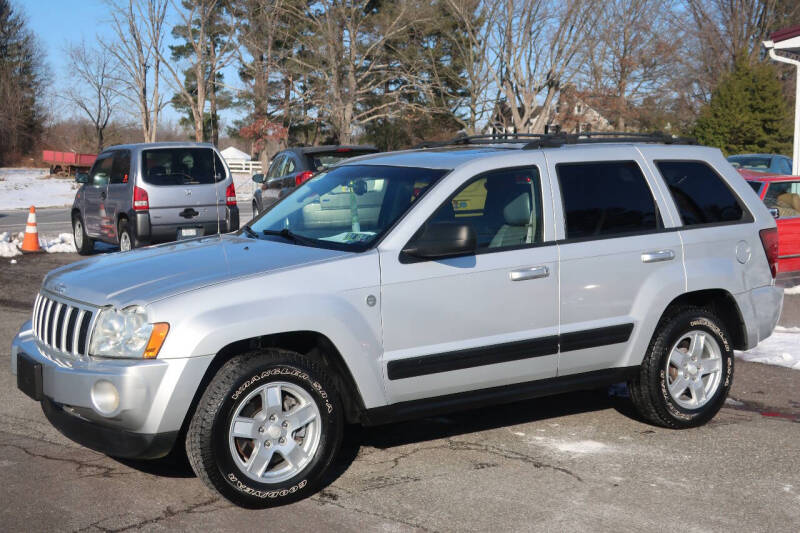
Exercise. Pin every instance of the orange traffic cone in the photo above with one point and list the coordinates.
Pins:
(31, 241)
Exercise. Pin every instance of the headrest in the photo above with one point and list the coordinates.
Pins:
(518, 211)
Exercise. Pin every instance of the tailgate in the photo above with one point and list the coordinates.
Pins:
(187, 204)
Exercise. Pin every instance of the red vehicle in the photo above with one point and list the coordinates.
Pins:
(68, 162)
(782, 195)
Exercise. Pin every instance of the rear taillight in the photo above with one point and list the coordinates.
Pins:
(230, 195)
(769, 238)
(302, 177)
(140, 200)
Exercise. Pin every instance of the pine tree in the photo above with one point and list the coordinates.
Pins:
(22, 82)
(747, 113)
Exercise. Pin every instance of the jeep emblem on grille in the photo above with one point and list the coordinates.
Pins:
(59, 288)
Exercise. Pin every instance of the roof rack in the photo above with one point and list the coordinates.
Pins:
(533, 141)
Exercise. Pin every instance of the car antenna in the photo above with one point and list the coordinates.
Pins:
(216, 188)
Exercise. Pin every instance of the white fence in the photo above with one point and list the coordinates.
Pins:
(249, 167)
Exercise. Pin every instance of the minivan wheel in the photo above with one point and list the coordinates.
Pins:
(266, 429)
(83, 243)
(127, 241)
(687, 372)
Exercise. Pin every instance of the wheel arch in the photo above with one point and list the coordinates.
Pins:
(721, 303)
(310, 343)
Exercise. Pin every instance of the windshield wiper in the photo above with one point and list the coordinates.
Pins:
(250, 233)
(287, 234)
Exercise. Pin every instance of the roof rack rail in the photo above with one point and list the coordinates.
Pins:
(533, 141)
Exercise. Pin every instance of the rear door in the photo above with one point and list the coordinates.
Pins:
(618, 260)
(95, 191)
(785, 197)
(185, 186)
(273, 184)
(119, 194)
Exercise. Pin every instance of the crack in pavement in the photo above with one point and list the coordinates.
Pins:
(103, 471)
(328, 497)
(168, 513)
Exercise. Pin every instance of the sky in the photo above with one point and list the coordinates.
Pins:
(58, 23)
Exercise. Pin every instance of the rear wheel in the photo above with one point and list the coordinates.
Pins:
(266, 429)
(83, 243)
(127, 240)
(687, 372)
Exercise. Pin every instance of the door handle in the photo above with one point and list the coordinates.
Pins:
(658, 255)
(529, 273)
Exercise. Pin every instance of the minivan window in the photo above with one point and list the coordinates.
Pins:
(755, 185)
(121, 166)
(101, 170)
(347, 207)
(181, 166)
(700, 194)
(606, 198)
(503, 207)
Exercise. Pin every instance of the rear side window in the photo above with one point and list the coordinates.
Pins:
(121, 166)
(755, 185)
(701, 195)
(181, 166)
(606, 198)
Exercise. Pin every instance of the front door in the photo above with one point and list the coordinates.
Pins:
(485, 320)
(120, 189)
(95, 192)
(618, 261)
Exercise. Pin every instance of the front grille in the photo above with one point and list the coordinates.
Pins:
(62, 326)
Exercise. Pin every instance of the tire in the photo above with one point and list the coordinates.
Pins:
(127, 240)
(83, 243)
(690, 347)
(221, 459)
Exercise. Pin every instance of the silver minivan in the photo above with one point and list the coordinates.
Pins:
(139, 194)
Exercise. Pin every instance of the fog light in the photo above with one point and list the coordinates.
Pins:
(105, 397)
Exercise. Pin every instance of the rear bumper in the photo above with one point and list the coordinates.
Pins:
(148, 232)
(761, 309)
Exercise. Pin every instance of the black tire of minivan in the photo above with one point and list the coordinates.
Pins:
(125, 228)
(211, 444)
(83, 243)
(650, 392)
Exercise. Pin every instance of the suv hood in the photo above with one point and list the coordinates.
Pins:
(148, 274)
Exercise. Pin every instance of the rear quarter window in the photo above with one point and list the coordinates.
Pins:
(700, 194)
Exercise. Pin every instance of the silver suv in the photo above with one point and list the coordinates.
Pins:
(407, 284)
(144, 193)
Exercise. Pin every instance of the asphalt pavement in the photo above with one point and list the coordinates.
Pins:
(576, 462)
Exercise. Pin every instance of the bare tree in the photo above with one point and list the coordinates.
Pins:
(632, 61)
(139, 27)
(208, 55)
(92, 89)
(351, 53)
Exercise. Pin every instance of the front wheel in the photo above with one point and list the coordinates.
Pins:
(266, 429)
(83, 243)
(687, 372)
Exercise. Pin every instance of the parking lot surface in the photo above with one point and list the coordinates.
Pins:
(572, 462)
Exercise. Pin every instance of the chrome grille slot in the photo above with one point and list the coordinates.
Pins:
(62, 326)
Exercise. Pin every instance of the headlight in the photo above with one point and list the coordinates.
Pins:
(127, 334)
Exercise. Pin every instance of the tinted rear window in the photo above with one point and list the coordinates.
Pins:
(321, 161)
(758, 163)
(701, 195)
(756, 185)
(181, 166)
(606, 199)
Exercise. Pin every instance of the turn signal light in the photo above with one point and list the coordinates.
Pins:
(140, 200)
(157, 336)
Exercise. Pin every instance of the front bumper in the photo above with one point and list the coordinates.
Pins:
(154, 398)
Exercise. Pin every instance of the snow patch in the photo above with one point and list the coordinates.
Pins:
(581, 446)
(782, 348)
(24, 187)
(792, 290)
(10, 244)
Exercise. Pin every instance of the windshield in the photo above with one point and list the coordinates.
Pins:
(181, 166)
(757, 163)
(346, 207)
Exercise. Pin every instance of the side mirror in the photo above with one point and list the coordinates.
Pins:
(81, 177)
(774, 212)
(443, 239)
(258, 178)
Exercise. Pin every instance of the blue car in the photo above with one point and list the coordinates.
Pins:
(771, 163)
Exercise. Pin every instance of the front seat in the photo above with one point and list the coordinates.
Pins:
(515, 230)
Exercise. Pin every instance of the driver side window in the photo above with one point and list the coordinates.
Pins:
(101, 171)
(503, 207)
